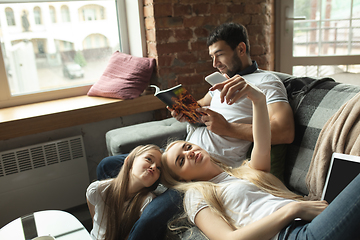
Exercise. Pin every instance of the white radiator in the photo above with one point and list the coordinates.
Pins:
(51, 175)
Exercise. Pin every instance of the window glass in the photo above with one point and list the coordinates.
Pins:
(341, 73)
(37, 15)
(330, 28)
(10, 17)
(42, 54)
(52, 14)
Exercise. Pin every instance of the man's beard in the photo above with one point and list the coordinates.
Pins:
(237, 66)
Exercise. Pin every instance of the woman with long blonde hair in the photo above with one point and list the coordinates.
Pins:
(116, 204)
(248, 202)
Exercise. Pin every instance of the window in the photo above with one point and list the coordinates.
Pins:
(10, 17)
(319, 38)
(65, 14)
(52, 14)
(35, 59)
(37, 15)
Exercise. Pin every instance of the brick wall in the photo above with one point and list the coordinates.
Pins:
(176, 32)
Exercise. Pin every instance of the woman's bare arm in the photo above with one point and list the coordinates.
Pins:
(214, 227)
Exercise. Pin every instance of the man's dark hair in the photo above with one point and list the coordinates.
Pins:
(231, 33)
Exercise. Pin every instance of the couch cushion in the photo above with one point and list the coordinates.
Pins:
(123, 140)
(313, 101)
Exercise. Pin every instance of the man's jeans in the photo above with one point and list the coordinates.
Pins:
(152, 224)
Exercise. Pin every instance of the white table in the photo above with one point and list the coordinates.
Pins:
(59, 224)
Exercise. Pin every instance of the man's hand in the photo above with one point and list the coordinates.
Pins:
(178, 116)
(214, 121)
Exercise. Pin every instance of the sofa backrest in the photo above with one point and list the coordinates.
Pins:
(313, 102)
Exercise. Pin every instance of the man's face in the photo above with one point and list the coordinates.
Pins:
(225, 59)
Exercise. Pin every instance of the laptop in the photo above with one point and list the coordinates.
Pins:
(342, 170)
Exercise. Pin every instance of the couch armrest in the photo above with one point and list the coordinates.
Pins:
(123, 140)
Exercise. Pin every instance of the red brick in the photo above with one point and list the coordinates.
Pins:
(198, 1)
(183, 34)
(204, 67)
(167, 48)
(257, 50)
(203, 55)
(187, 57)
(162, 10)
(242, 19)
(260, 19)
(163, 35)
(198, 45)
(199, 21)
(150, 35)
(236, 8)
(253, 8)
(179, 70)
(149, 23)
(152, 49)
(218, 9)
(165, 60)
(201, 32)
(147, 2)
(189, 79)
(148, 11)
(201, 8)
(169, 22)
(182, 10)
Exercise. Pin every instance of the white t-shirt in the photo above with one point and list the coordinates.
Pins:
(232, 151)
(95, 195)
(244, 201)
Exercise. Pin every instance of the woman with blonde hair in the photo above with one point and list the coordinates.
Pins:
(248, 202)
(116, 204)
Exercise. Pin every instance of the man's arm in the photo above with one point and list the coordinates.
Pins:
(281, 123)
(205, 101)
(280, 115)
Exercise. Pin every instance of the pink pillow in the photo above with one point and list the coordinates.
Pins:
(125, 77)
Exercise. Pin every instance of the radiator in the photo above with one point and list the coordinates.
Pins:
(51, 175)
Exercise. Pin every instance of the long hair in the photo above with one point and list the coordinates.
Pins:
(265, 181)
(122, 211)
(232, 34)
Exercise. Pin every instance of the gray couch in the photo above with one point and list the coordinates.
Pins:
(313, 102)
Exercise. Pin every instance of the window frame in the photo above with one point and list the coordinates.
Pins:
(132, 41)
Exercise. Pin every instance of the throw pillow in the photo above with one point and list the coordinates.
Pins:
(125, 77)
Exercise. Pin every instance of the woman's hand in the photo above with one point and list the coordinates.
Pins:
(308, 210)
(235, 88)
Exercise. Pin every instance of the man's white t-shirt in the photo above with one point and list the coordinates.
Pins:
(244, 201)
(95, 195)
(232, 151)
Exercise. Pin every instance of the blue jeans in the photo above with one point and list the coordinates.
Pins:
(152, 223)
(339, 221)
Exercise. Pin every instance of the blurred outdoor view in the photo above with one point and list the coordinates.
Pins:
(331, 28)
(55, 45)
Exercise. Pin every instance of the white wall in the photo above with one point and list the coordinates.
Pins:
(93, 136)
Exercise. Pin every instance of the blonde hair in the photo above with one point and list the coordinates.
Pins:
(263, 180)
(122, 210)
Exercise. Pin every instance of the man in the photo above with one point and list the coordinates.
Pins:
(228, 131)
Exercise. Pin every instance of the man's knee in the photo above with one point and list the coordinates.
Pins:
(110, 167)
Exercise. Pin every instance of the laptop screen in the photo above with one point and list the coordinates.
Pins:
(342, 170)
